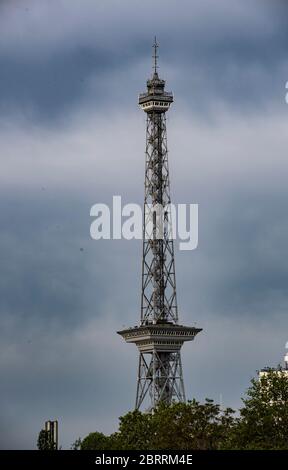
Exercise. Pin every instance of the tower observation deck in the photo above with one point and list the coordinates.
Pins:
(159, 336)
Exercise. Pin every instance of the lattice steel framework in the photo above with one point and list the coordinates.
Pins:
(160, 378)
(159, 338)
(159, 373)
(159, 301)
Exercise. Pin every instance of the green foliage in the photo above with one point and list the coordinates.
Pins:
(96, 441)
(191, 426)
(261, 424)
(263, 420)
(179, 426)
(135, 431)
(45, 441)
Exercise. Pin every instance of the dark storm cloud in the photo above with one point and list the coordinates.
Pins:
(64, 351)
(52, 272)
(79, 67)
(240, 263)
(240, 60)
(60, 294)
(51, 86)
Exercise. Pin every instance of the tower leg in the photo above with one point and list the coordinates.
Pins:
(160, 379)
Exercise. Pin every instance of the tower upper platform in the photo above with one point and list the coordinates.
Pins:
(156, 99)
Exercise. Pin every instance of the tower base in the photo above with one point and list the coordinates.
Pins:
(160, 379)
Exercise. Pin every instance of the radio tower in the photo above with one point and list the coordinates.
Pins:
(159, 337)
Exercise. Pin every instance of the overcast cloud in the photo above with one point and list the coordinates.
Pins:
(71, 135)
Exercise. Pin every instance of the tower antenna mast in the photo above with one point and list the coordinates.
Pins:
(155, 56)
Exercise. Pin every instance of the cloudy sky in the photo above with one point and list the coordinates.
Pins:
(71, 135)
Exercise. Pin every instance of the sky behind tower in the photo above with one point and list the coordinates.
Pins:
(71, 135)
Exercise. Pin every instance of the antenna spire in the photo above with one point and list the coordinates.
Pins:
(155, 56)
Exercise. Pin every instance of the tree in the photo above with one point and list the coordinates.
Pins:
(180, 426)
(96, 441)
(77, 444)
(135, 430)
(45, 441)
(263, 421)
(191, 425)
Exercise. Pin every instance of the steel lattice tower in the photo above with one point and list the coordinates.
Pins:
(159, 337)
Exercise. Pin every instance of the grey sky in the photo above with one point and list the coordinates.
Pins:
(71, 135)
